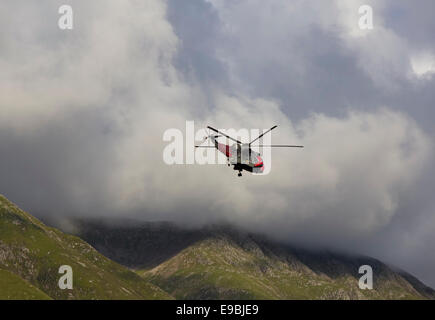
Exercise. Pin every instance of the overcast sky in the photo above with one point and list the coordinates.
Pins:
(83, 112)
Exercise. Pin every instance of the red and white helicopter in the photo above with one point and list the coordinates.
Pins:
(240, 155)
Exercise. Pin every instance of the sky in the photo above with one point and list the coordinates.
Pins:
(83, 113)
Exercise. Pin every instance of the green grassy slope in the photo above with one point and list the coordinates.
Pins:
(34, 252)
(12, 287)
(227, 267)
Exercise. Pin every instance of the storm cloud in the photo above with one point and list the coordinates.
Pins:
(83, 112)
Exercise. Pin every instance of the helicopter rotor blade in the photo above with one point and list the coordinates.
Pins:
(278, 146)
(262, 134)
(225, 135)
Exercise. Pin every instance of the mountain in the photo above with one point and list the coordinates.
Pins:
(31, 254)
(221, 262)
(215, 262)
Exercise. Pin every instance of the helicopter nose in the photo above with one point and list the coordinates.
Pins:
(259, 162)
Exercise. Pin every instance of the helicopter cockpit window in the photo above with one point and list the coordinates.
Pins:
(245, 154)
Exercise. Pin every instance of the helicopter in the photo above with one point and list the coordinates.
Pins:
(240, 155)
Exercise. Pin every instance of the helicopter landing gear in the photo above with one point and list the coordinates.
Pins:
(240, 174)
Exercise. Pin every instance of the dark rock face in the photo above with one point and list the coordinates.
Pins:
(141, 246)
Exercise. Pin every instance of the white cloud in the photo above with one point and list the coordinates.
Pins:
(423, 64)
(122, 64)
(113, 45)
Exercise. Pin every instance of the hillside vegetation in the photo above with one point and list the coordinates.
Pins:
(31, 254)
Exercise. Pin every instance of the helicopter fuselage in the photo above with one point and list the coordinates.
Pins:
(241, 156)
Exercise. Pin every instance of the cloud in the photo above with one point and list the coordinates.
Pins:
(85, 68)
(84, 111)
(423, 64)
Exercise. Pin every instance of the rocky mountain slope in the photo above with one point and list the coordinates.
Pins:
(216, 262)
(221, 262)
(31, 254)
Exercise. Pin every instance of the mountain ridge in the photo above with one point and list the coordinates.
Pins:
(161, 260)
(186, 256)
